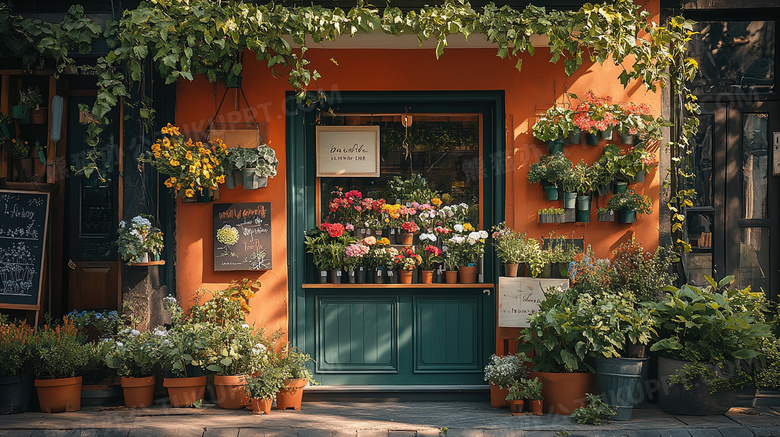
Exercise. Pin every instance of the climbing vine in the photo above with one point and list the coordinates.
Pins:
(185, 38)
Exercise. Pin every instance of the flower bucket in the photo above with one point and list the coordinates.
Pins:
(252, 181)
(592, 139)
(555, 146)
(498, 396)
(607, 134)
(569, 200)
(574, 136)
(377, 275)
(351, 277)
(322, 277)
(620, 187)
(291, 396)
(393, 236)
(468, 274)
(15, 393)
(510, 269)
(626, 139)
(406, 276)
(392, 276)
(261, 406)
(335, 276)
(139, 392)
(451, 277)
(185, 392)
(360, 275)
(231, 393)
(230, 180)
(427, 276)
(617, 381)
(59, 395)
(640, 176)
(626, 216)
(550, 191)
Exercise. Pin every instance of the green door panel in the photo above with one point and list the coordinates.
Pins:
(357, 335)
(447, 334)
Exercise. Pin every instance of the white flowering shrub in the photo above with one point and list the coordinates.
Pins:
(504, 371)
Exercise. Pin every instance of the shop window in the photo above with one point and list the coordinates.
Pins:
(733, 54)
(444, 149)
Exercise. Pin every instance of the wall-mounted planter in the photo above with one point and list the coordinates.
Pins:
(550, 191)
(574, 136)
(608, 216)
(252, 181)
(620, 187)
(21, 113)
(626, 216)
(555, 146)
(569, 200)
(607, 134)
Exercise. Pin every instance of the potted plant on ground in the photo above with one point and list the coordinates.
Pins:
(532, 390)
(548, 171)
(561, 358)
(554, 126)
(139, 241)
(58, 356)
(501, 373)
(706, 338)
(263, 386)
(627, 205)
(257, 165)
(16, 341)
(193, 167)
(293, 363)
(515, 397)
(134, 355)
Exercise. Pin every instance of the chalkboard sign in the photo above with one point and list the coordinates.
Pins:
(242, 236)
(23, 221)
(518, 298)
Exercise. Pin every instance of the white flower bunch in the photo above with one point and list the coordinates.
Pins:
(504, 371)
(428, 237)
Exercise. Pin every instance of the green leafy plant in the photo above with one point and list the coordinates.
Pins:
(510, 245)
(262, 159)
(135, 354)
(631, 200)
(613, 323)
(516, 391)
(593, 414)
(293, 364)
(532, 389)
(410, 189)
(31, 97)
(59, 352)
(19, 148)
(549, 169)
(265, 384)
(16, 345)
(556, 123)
(640, 276)
(506, 371)
(138, 237)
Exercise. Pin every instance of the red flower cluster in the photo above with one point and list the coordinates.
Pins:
(594, 113)
(410, 227)
(433, 250)
(333, 229)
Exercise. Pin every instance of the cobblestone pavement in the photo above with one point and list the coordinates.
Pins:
(378, 419)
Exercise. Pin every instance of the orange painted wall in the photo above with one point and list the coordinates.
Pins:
(534, 89)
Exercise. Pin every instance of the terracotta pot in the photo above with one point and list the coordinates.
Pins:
(184, 392)
(498, 396)
(38, 116)
(510, 269)
(292, 396)
(406, 276)
(407, 238)
(261, 406)
(139, 392)
(537, 407)
(58, 395)
(451, 276)
(468, 274)
(516, 406)
(427, 276)
(565, 392)
(231, 394)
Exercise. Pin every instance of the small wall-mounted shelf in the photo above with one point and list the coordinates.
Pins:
(150, 263)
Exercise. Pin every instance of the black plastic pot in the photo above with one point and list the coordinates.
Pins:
(697, 401)
(15, 393)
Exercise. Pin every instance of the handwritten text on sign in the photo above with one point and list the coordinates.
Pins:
(242, 236)
(518, 298)
(346, 151)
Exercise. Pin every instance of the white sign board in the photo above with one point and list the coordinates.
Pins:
(347, 151)
(518, 298)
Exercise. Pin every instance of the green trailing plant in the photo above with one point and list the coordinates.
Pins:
(549, 169)
(556, 123)
(594, 413)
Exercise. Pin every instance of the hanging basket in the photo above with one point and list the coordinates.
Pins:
(252, 181)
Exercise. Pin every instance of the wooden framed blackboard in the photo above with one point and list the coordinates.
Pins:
(24, 220)
(242, 236)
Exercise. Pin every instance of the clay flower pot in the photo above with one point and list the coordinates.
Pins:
(510, 269)
(451, 277)
(139, 392)
(565, 392)
(406, 276)
(407, 238)
(231, 394)
(427, 276)
(59, 395)
(184, 392)
(498, 396)
(537, 407)
(468, 274)
(516, 406)
(291, 396)
(261, 406)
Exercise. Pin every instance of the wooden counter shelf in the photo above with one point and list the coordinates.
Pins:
(424, 286)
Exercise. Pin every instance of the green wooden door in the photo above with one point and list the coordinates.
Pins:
(400, 335)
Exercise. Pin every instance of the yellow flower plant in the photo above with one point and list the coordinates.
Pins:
(192, 166)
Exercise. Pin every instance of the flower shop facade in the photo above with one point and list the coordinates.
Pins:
(480, 111)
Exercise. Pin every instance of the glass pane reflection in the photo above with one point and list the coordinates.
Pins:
(754, 258)
(754, 165)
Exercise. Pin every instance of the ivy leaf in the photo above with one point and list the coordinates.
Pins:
(140, 52)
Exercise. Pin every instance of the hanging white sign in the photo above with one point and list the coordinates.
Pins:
(518, 298)
(347, 151)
